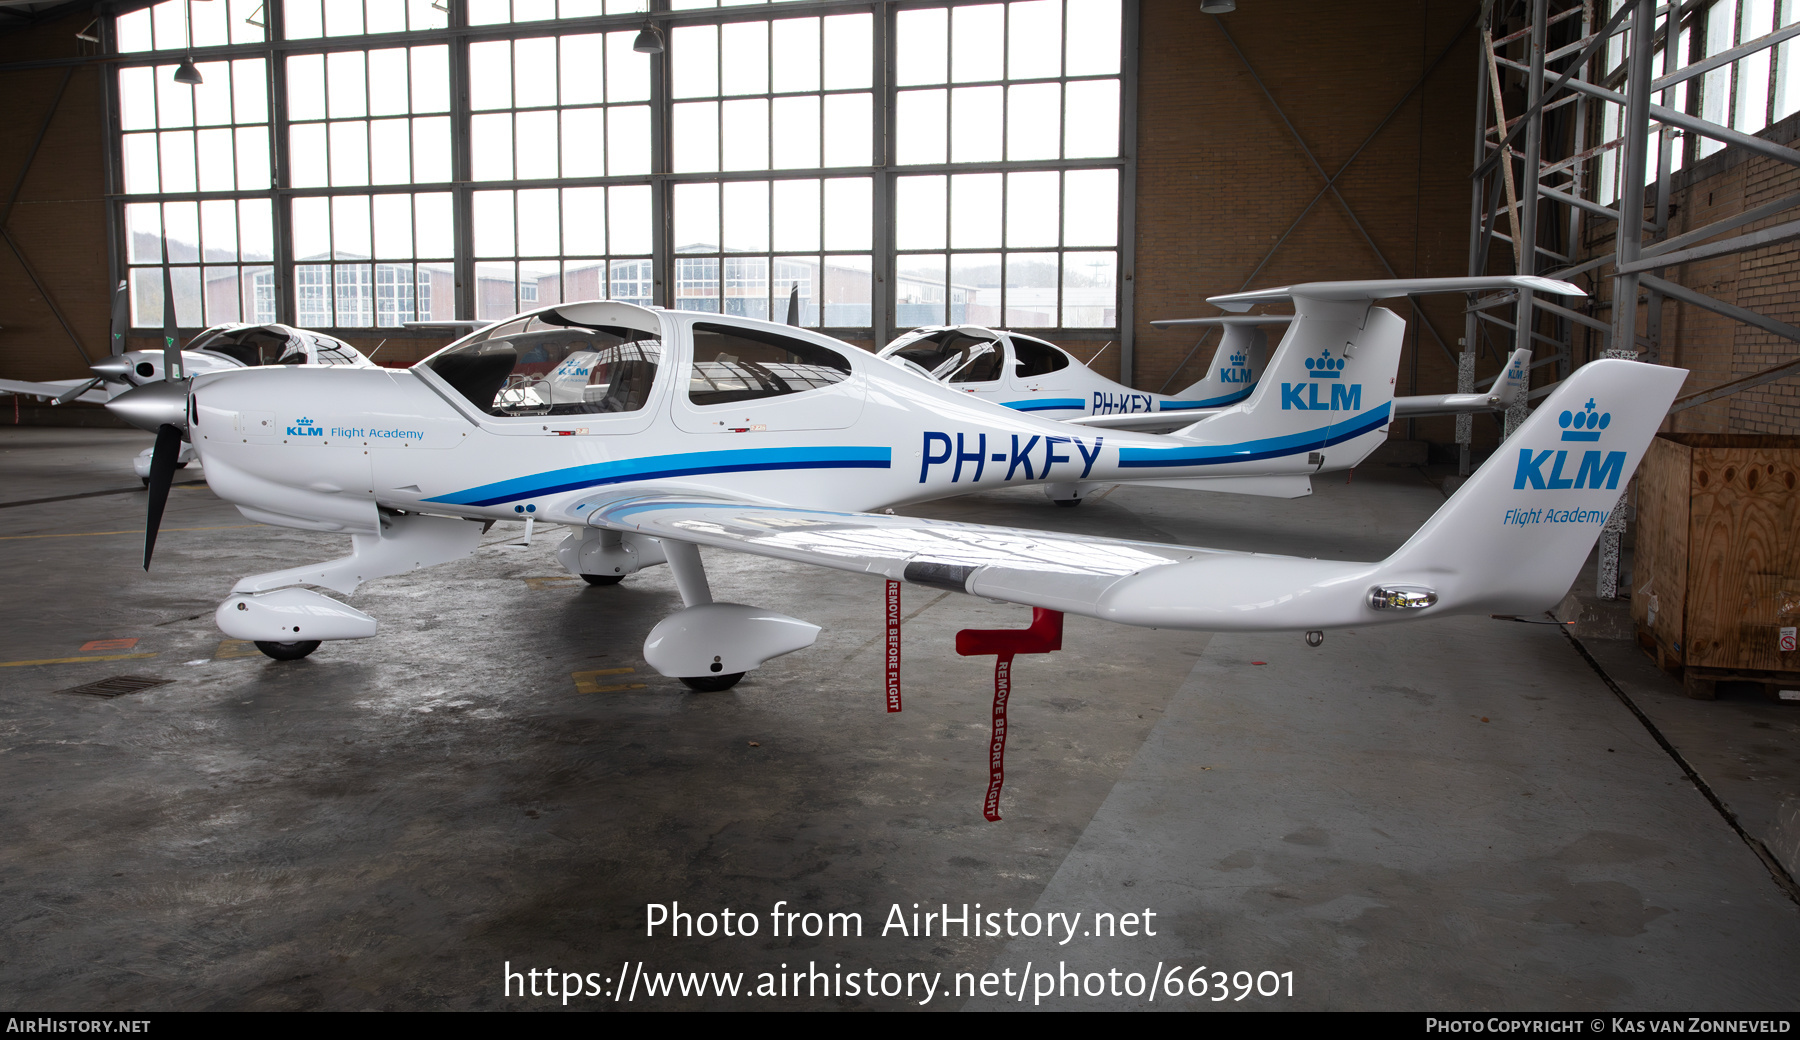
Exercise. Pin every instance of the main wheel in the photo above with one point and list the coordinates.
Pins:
(712, 683)
(288, 651)
(1068, 503)
(603, 579)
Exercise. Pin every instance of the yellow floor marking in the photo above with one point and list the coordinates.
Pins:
(229, 648)
(584, 681)
(72, 660)
(138, 530)
(540, 584)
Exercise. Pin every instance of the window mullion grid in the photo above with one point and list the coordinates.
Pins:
(462, 230)
(117, 266)
(1125, 264)
(881, 251)
(662, 192)
(280, 165)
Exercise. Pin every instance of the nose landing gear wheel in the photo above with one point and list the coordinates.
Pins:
(603, 579)
(288, 651)
(711, 683)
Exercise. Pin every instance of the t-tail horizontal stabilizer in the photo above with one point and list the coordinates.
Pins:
(1507, 388)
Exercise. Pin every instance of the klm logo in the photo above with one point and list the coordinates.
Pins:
(1304, 397)
(1595, 470)
(1238, 372)
(1583, 425)
(304, 427)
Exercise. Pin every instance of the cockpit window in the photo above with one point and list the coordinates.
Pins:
(545, 364)
(736, 364)
(1037, 358)
(956, 357)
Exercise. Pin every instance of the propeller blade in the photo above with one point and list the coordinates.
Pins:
(794, 305)
(162, 474)
(171, 352)
(121, 318)
(72, 393)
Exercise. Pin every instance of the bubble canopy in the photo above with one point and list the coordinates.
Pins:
(575, 359)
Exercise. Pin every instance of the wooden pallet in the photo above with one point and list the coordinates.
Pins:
(1703, 683)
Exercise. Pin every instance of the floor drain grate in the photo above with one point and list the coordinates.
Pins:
(117, 686)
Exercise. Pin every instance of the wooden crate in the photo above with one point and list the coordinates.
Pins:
(1716, 577)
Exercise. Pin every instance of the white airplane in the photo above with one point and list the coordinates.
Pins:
(700, 429)
(1030, 375)
(218, 348)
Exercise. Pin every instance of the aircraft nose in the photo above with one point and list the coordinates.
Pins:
(154, 406)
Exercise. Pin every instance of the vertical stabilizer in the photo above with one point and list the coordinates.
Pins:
(1327, 390)
(1237, 365)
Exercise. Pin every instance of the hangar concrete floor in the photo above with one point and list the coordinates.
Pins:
(1457, 814)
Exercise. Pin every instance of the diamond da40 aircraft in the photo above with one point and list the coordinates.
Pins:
(651, 433)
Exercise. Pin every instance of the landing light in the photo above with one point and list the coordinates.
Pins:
(1401, 597)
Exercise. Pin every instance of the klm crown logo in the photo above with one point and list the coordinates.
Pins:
(1584, 425)
(304, 427)
(1304, 396)
(1324, 366)
(1239, 359)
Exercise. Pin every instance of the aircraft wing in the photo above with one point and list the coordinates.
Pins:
(55, 388)
(1065, 572)
(1489, 549)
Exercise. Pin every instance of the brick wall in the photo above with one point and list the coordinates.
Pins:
(59, 221)
(1220, 178)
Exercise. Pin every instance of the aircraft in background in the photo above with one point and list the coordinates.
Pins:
(1047, 380)
(1028, 374)
(702, 429)
(218, 348)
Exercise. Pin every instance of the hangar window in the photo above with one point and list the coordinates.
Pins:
(733, 364)
(549, 364)
(360, 164)
(987, 89)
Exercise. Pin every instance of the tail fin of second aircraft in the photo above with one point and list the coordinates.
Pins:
(1237, 365)
(1329, 388)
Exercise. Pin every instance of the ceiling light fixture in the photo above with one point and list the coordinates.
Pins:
(1217, 6)
(649, 41)
(185, 72)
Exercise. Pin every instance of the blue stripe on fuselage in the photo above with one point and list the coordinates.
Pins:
(1250, 451)
(1046, 404)
(1217, 402)
(658, 467)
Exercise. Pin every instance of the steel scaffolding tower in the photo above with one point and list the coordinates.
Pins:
(1580, 110)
